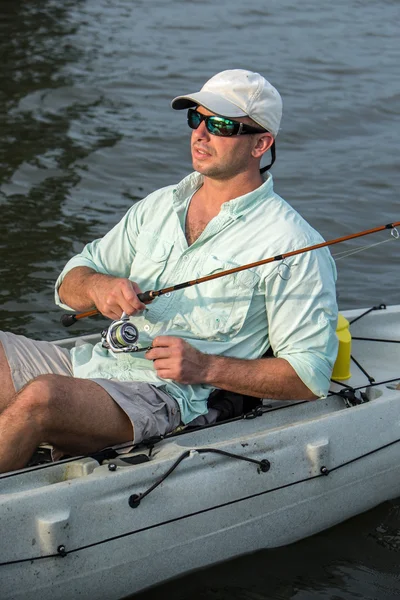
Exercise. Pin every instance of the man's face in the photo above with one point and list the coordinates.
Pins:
(220, 157)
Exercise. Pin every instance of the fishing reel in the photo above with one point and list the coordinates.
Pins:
(121, 336)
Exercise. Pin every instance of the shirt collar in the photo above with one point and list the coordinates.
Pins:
(235, 207)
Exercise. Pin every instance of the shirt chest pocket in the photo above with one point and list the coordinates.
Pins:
(150, 262)
(219, 307)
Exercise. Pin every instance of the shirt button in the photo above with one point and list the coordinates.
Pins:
(185, 257)
(146, 327)
(167, 295)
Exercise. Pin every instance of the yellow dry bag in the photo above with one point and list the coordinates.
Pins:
(341, 369)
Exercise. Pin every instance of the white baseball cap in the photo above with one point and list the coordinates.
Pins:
(238, 93)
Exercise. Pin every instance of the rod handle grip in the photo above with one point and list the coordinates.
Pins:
(146, 296)
(68, 320)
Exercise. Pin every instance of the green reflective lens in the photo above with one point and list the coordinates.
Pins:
(215, 125)
(194, 118)
(221, 126)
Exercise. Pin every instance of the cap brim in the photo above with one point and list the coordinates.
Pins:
(210, 101)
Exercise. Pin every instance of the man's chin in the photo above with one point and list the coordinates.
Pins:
(207, 171)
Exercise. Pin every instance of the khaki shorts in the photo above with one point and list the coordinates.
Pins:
(151, 411)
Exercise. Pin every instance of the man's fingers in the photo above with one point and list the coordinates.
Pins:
(167, 370)
(165, 374)
(167, 341)
(165, 346)
(115, 307)
(123, 299)
(157, 353)
(137, 292)
(162, 363)
(175, 359)
(130, 299)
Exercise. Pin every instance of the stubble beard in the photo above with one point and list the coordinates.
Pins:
(220, 172)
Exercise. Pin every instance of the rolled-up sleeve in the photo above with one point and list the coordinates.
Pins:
(111, 255)
(302, 316)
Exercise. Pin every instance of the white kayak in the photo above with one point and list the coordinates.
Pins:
(90, 528)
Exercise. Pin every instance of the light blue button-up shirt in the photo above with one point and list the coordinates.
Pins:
(290, 305)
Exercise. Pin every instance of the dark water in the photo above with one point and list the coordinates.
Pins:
(356, 560)
(86, 130)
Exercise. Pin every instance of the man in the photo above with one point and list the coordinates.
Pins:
(203, 337)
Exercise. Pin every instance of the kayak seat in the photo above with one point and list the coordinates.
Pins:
(231, 404)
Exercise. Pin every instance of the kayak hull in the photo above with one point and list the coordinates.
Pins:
(71, 529)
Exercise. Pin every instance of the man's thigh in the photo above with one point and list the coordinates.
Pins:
(87, 412)
(90, 414)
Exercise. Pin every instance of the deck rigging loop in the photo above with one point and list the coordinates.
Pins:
(378, 307)
(353, 397)
(263, 465)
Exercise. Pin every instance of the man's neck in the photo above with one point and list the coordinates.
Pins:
(215, 192)
(207, 201)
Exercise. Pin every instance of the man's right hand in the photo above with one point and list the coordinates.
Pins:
(114, 295)
(83, 288)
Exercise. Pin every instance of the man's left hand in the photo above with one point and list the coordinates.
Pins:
(176, 359)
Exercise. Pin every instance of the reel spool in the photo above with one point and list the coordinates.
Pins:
(121, 336)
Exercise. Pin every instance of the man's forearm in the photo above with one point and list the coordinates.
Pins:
(83, 289)
(77, 288)
(262, 378)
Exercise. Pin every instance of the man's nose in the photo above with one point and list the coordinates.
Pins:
(202, 131)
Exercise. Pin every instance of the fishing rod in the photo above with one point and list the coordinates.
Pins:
(69, 319)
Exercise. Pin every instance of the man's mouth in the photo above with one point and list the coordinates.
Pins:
(200, 151)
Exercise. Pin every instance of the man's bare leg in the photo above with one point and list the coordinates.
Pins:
(7, 390)
(76, 416)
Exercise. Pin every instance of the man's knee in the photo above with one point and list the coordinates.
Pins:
(39, 394)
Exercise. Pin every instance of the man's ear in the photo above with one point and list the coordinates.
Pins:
(262, 144)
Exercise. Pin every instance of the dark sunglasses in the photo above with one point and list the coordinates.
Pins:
(220, 126)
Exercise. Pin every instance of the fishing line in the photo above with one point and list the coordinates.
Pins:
(347, 253)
